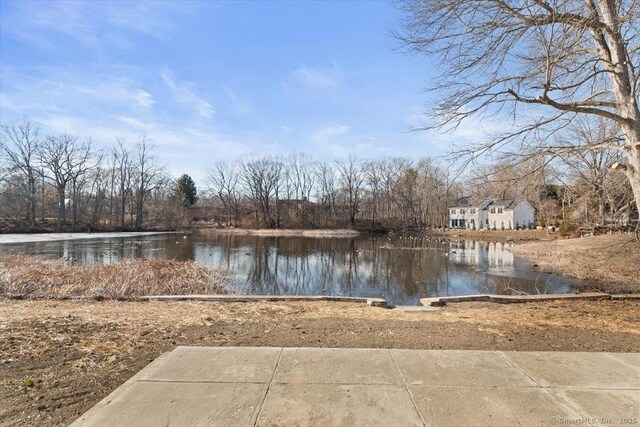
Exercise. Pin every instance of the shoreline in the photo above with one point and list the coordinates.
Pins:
(610, 262)
(515, 236)
(283, 232)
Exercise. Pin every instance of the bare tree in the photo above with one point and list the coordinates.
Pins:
(351, 180)
(146, 173)
(20, 145)
(373, 179)
(328, 189)
(591, 169)
(123, 170)
(65, 161)
(263, 178)
(224, 178)
(540, 62)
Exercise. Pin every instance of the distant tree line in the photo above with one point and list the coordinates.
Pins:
(61, 182)
(299, 191)
(576, 186)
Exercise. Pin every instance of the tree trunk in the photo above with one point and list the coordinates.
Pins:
(62, 209)
(32, 200)
(74, 208)
(43, 200)
(633, 174)
(632, 169)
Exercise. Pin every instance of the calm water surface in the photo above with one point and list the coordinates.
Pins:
(401, 269)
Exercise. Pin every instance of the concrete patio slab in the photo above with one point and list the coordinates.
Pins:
(631, 359)
(338, 405)
(336, 366)
(599, 404)
(583, 370)
(182, 404)
(496, 407)
(458, 368)
(317, 387)
(217, 364)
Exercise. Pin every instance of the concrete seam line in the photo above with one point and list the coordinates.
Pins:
(504, 357)
(545, 389)
(413, 402)
(567, 401)
(264, 398)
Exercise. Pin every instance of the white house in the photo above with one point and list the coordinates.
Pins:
(492, 214)
(510, 214)
(468, 215)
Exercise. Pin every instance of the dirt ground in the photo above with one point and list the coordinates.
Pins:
(76, 352)
(610, 263)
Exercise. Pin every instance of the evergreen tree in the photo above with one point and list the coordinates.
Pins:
(186, 188)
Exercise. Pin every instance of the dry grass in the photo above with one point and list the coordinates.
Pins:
(499, 235)
(605, 315)
(610, 263)
(32, 277)
(281, 232)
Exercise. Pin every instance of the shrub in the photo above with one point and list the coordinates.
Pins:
(568, 229)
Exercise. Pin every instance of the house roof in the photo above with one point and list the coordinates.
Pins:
(506, 203)
(462, 202)
(465, 203)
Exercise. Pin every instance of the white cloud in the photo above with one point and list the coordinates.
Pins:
(328, 137)
(338, 140)
(143, 98)
(134, 122)
(95, 25)
(55, 89)
(20, 104)
(185, 94)
(472, 130)
(285, 131)
(319, 78)
(237, 105)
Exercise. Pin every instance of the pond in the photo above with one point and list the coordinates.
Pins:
(400, 268)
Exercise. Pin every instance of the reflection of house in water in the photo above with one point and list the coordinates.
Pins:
(495, 254)
(499, 255)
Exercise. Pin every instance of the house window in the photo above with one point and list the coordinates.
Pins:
(499, 210)
(493, 210)
(472, 211)
(463, 211)
(453, 211)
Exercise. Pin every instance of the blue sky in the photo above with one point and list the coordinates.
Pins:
(208, 81)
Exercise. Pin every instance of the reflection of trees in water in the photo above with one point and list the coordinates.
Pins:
(362, 265)
(354, 266)
(262, 276)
